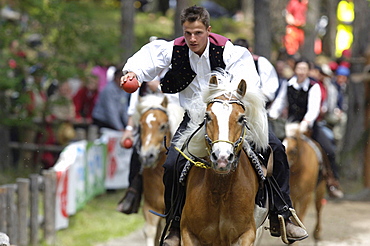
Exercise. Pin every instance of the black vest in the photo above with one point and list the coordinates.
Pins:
(298, 102)
(181, 74)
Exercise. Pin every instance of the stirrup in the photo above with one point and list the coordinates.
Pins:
(296, 219)
(282, 225)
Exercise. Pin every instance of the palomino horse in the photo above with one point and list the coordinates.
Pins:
(157, 119)
(304, 157)
(220, 200)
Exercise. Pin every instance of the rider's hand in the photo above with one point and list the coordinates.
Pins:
(128, 76)
(127, 133)
(303, 127)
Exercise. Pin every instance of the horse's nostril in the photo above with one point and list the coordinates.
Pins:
(213, 156)
(231, 157)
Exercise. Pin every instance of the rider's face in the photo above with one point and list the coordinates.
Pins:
(196, 36)
(301, 70)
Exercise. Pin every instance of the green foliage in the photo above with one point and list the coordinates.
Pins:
(230, 5)
(70, 33)
(147, 25)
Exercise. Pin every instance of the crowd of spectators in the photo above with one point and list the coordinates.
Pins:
(54, 108)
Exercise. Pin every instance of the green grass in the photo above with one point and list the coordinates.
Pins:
(99, 221)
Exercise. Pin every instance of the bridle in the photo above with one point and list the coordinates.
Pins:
(237, 145)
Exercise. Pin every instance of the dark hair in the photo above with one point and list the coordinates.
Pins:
(195, 13)
(303, 60)
(242, 42)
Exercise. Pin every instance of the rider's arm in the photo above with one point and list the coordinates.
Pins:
(314, 104)
(150, 60)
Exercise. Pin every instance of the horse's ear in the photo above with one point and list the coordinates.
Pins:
(164, 102)
(213, 81)
(242, 88)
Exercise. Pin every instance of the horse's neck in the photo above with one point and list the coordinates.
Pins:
(220, 185)
(223, 185)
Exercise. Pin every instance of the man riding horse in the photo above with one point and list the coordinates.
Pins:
(191, 59)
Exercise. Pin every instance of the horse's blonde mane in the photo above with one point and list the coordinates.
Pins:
(174, 111)
(255, 112)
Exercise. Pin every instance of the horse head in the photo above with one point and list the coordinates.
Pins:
(154, 127)
(225, 124)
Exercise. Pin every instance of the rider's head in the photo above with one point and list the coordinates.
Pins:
(195, 23)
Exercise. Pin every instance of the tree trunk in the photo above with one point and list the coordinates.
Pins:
(329, 38)
(181, 4)
(313, 13)
(127, 28)
(355, 161)
(278, 24)
(163, 6)
(247, 10)
(361, 30)
(262, 28)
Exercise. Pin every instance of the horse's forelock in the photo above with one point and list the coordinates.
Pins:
(147, 102)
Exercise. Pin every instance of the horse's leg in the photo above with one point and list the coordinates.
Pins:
(320, 193)
(305, 203)
(150, 227)
(188, 239)
(160, 228)
(246, 239)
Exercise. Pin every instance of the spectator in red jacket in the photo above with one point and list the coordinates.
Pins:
(295, 19)
(85, 99)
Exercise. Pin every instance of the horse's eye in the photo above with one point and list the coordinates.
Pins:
(208, 116)
(163, 127)
(241, 119)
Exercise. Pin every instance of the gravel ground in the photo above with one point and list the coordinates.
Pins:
(345, 222)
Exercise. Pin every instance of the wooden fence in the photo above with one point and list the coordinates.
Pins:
(27, 207)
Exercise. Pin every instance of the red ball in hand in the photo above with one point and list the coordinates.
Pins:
(131, 86)
(127, 143)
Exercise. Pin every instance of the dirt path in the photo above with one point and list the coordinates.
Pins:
(344, 223)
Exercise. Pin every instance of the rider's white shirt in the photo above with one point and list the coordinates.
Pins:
(156, 56)
(269, 79)
(314, 100)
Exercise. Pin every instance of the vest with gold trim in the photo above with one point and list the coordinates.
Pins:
(181, 74)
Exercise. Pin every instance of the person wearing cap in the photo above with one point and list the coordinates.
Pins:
(337, 113)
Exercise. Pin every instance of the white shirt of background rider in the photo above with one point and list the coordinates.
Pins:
(314, 100)
(155, 56)
(269, 78)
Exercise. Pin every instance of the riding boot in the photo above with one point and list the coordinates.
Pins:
(334, 188)
(290, 228)
(332, 183)
(130, 203)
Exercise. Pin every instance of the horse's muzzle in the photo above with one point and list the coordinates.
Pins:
(222, 160)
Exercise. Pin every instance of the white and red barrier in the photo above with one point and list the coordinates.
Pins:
(86, 169)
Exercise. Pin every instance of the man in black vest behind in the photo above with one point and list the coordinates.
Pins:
(191, 59)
